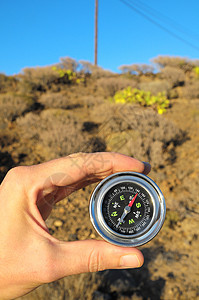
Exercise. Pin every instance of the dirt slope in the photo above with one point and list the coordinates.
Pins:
(71, 118)
(171, 259)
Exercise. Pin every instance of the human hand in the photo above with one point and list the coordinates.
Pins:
(29, 255)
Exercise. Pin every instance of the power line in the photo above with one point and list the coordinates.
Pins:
(163, 18)
(131, 6)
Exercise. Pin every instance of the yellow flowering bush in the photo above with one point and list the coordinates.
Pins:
(144, 98)
(72, 76)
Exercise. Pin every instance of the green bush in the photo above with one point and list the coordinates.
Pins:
(129, 95)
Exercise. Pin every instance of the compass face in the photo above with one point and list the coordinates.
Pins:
(127, 208)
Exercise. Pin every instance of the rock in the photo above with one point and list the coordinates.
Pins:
(58, 223)
(62, 210)
(92, 236)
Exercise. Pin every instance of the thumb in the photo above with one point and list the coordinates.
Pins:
(91, 256)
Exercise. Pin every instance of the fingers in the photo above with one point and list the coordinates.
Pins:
(91, 256)
(47, 183)
(78, 169)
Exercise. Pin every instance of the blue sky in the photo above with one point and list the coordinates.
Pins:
(38, 33)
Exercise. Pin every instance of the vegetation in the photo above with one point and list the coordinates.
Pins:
(129, 95)
(196, 70)
(12, 106)
(191, 90)
(109, 86)
(156, 86)
(176, 77)
(70, 84)
(71, 76)
(46, 113)
(137, 69)
(182, 63)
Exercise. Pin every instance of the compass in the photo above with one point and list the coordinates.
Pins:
(127, 209)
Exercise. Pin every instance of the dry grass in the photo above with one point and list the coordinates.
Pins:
(54, 129)
(191, 90)
(58, 132)
(54, 100)
(13, 106)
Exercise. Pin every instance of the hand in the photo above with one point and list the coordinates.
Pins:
(29, 255)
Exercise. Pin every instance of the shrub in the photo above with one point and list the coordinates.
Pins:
(43, 78)
(57, 100)
(173, 75)
(173, 93)
(96, 71)
(129, 95)
(109, 86)
(53, 100)
(182, 63)
(12, 106)
(136, 69)
(139, 132)
(196, 71)
(90, 101)
(39, 75)
(68, 64)
(156, 87)
(68, 75)
(7, 83)
(58, 132)
(191, 90)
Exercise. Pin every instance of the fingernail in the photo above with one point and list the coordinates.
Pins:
(147, 167)
(130, 261)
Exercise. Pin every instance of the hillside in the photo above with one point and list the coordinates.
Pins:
(50, 112)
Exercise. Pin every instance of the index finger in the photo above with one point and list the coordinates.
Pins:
(84, 167)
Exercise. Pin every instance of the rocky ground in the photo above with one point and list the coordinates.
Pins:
(170, 142)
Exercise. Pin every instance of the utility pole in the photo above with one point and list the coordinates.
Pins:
(96, 29)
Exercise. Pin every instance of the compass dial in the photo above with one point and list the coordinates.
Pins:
(136, 217)
(127, 209)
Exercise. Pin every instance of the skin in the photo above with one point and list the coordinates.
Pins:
(29, 255)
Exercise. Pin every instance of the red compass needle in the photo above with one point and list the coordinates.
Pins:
(133, 200)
